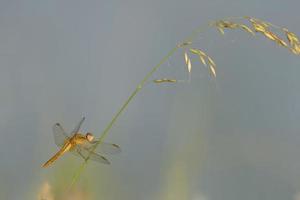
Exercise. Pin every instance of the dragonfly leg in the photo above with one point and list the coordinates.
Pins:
(81, 155)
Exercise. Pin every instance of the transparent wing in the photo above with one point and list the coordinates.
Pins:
(105, 148)
(76, 129)
(60, 135)
(84, 153)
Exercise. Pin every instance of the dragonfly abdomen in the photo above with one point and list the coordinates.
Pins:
(63, 150)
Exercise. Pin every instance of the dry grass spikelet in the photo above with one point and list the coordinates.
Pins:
(212, 66)
(188, 62)
(247, 29)
(186, 58)
(293, 41)
(205, 59)
(165, 80)
(184, 44)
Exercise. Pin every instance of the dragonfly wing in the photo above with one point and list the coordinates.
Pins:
(60, 135)
(76, 129)
(84, 153)
(106, 148)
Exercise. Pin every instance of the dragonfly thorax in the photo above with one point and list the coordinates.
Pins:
(89, 137)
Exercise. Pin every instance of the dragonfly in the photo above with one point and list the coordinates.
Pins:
(81, 145)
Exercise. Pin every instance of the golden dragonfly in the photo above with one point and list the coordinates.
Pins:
(80, 144)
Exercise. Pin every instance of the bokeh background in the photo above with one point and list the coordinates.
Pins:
(231, 138)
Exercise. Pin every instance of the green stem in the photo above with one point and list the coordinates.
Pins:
(189, 39)
(133, 94)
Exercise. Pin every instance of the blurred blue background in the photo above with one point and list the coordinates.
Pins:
(231, 138)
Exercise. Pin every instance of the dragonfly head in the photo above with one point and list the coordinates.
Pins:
(89, 137)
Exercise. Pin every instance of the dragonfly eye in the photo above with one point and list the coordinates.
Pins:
(89, 137)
